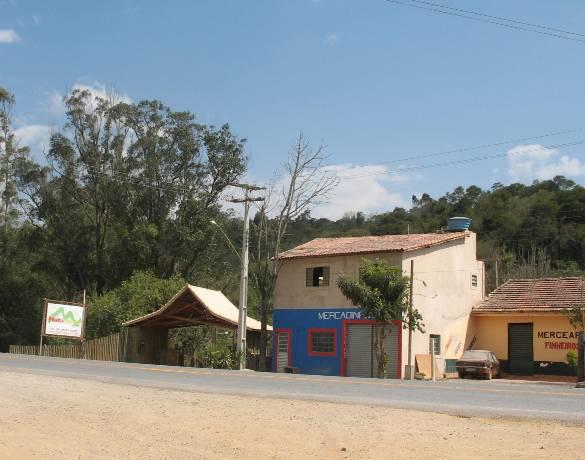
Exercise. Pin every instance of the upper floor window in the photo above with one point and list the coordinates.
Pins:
(473, 280)
(317, 276)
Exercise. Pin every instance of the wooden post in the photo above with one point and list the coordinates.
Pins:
(84, 326)
(43, 326)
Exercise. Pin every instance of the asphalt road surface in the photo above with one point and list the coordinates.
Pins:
(457, 397)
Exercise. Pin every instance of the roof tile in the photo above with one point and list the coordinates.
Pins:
(321, 247)
(534, 295)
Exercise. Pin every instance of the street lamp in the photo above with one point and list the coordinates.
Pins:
(227, 238)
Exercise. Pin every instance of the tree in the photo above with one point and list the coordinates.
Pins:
(576, 316)
(307, 182)
(382, 294)
(142, 293)
(13, 160)
(140, 182)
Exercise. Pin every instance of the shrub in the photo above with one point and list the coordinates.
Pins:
(220, 356)
(572, 360)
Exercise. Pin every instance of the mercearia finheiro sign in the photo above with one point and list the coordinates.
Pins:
(63, 319)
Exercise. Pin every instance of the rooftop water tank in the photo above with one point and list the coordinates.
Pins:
(458, 224)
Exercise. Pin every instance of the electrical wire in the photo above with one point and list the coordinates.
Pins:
(480, 147)
(489, 21)
(500, 18)
(456, 162)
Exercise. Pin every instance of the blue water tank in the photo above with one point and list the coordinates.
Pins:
(458, 224)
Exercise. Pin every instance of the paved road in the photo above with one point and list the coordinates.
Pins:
(465, 398)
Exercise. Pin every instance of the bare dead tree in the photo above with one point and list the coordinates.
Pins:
(307, 181)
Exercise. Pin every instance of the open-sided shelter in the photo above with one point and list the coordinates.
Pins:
(147, 338)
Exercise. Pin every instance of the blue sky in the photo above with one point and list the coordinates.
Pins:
(374, 81)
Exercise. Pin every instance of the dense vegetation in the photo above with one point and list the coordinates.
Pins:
(122, 205)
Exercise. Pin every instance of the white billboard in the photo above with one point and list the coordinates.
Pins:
(64, 320)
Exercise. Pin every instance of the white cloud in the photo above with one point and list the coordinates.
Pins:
(360, 188)
(56, 105)
(332, 39)
(534, 161)
(98, 89)
(34, 136)
(9, 36)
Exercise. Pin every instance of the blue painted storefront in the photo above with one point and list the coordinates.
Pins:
(299, 322)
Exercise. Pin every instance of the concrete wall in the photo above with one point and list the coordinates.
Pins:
(291, 290)
(553, 335)
(444, 295)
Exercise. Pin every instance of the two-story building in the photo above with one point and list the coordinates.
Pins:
(318, 331)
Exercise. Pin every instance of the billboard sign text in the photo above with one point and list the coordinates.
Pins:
(64, 320)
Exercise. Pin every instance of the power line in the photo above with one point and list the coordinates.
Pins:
(457, 162)
(125, 178)
(500, 18)
(489, 21)
(481, 147)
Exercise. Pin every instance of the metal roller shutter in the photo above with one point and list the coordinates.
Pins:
(359, 350)
(361, 356)
(391, 347)
(520, 351)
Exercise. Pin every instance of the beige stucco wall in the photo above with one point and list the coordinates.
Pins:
(491, 333)
(291, 290)
(444, 295)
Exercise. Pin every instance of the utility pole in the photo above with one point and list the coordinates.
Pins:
(433, 376)
(410, 366)
(243, 313)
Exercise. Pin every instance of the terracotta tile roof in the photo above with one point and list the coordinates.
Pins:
(320, 247)
(534, 295)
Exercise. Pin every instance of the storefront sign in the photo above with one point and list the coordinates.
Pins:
(558, 334)
(569, 339)
(561, 345)
(338, 315)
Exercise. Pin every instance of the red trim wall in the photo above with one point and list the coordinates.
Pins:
(276, 333)
(310, 332)
(346, 322)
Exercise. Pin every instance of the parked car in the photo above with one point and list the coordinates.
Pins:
(479, 363)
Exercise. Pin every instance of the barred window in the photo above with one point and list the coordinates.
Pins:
(322, 342)
(473, 280)
(317, 276)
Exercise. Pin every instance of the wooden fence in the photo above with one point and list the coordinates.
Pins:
(108, 348)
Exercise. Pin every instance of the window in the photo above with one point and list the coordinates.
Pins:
(473, 280)
(317, 276)
(437, 343)
(322, 342)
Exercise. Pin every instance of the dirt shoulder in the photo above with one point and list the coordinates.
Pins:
(53, 417)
